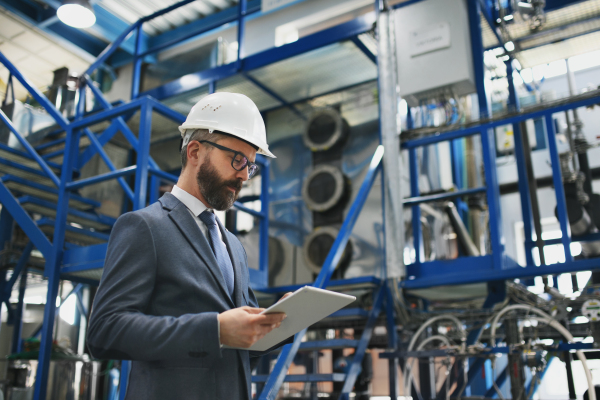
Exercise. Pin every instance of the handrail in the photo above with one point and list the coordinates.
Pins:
(47, 170)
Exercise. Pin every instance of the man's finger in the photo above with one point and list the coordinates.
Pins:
(252, 310)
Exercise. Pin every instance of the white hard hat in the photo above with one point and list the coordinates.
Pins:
(231, 113)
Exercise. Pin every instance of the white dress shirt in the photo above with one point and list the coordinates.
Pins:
(195, 207)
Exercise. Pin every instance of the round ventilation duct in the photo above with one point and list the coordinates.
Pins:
(325, 129)
(317, 246)
(324, 188)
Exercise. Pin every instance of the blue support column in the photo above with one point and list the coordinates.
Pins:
(137, 63)
(526, 211)
(561, 203)
(143, 155)
(487, 137)
(53, 263)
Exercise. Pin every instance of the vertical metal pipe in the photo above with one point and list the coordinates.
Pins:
(561, 203)
(212, 87)
(17, 343)
(535, 205)
(392, 158)
(487, 137)
(241, 31)
(416, 209)
(570, 381)
(264, 223)
(523, 181)
(137, 64)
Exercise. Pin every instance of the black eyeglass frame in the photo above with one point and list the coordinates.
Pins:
(249, 163)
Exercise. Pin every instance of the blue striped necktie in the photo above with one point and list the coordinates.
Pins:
(219, 249)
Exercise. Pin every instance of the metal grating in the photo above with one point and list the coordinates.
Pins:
(132, 10)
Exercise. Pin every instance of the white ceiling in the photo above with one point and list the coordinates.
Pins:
(33, 53)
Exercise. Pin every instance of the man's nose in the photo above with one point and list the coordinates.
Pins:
(243, 174)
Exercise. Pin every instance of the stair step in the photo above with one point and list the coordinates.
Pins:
(48, 209)
(74, 234)
(329, 344)
(56, 150)
(13, 168)
(23, 158)
(336, 377)
(44, 192)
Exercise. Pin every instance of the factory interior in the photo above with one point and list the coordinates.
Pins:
(435, 159)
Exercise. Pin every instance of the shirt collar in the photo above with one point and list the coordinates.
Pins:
(191, 202)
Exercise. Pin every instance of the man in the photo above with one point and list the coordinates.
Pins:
(175, 285)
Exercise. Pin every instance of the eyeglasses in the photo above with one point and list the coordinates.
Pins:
(239, 160)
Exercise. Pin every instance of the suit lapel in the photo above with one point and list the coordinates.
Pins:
(182, 218)
(237, 267)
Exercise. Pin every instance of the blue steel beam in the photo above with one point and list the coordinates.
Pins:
(479, 269)
(24, 221)
(101, 178)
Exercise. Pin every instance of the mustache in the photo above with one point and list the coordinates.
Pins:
(235, 183)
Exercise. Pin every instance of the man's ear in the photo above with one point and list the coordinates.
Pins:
(194, 152)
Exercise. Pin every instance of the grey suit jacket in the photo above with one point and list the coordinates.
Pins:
(157, 304)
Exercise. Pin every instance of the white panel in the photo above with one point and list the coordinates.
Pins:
(31, 41)
(445, 66)
(268, 5)
(9, 28)
(12, 52)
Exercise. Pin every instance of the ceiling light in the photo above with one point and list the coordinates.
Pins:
(77, 13)
(509, 46)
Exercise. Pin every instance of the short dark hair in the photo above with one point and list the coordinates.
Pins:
(200, 134)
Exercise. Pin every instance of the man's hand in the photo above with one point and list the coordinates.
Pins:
(284, 296)
(244, 326)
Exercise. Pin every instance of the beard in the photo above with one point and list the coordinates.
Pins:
(215, 190)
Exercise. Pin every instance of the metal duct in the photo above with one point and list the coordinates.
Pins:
(317, 246)
(324, 188)
(324, 130)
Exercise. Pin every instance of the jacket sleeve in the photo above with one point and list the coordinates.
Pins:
(120, 327)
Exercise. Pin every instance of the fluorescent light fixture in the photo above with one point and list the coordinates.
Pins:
(508, 17)
(509, 46)
(77, 13)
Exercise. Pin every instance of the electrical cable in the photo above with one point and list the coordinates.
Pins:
(424, 326)
(556, 325)
(408, 368)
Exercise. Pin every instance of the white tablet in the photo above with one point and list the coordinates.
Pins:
(303, 308)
